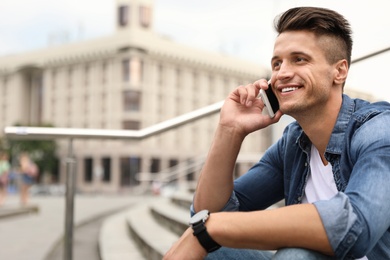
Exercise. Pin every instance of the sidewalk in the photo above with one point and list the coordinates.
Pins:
(32, 236)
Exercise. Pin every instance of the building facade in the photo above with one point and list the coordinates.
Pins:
(132, 79)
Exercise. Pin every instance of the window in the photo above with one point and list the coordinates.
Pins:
(88, 169)
(190, 170)
(126, 70)
(144, 16)
(130, 167)
(123, 15)
(106, 163)
(173, 162)
(55, 170)
(39, 89)
(131, 125)
(155, 165)
(131, 100)
(136, 70)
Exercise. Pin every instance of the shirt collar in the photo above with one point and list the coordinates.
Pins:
(334, 146)
(336, 139)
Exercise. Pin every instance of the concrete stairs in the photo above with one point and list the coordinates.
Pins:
(147, 230)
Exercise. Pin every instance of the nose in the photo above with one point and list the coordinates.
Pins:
(285, 71)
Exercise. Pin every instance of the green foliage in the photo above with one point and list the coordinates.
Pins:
(42, 152)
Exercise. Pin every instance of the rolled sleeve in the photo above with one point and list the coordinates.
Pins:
(340, 223)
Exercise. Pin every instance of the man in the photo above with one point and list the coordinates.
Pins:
(332, 166)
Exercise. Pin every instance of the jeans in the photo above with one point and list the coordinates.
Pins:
(282, 254)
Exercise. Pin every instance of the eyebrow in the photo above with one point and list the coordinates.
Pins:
(294, 53)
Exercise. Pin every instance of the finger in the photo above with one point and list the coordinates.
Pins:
(252, 94)
(258, 102)
(277, 116)
(261, 83)
(243, 94)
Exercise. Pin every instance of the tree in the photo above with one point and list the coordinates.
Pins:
(42, 152)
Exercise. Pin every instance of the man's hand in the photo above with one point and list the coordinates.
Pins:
(242, 109)
(187, 247)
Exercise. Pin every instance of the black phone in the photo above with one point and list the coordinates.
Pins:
(270, 101)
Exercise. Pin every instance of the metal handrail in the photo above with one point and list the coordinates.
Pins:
(370, 55)
(51, 132)
(172, 173)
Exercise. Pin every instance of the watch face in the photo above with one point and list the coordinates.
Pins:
(201, 216)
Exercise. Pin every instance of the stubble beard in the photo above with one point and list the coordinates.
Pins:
(308, 105)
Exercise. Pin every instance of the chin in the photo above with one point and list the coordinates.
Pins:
(290, 110)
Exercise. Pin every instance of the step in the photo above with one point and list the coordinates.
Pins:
(182, 199)
(11, 211)
(171, 216)
(115, 242)
(153, 239)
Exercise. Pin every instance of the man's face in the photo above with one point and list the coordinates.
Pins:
(302, 78)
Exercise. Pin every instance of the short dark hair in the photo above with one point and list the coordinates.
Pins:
(322, 22)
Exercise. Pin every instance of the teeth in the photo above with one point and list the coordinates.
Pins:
(288, 89)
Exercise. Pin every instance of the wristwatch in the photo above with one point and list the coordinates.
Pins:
(200, 231)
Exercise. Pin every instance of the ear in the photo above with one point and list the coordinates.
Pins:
(341, 72)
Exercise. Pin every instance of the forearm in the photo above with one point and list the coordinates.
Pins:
(293, 226)
(215, 183)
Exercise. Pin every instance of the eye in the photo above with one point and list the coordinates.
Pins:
(300, 59)
(276, 65)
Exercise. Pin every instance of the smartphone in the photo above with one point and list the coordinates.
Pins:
(270, 101)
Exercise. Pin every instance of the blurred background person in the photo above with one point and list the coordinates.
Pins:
(4, 171)
(29, 173)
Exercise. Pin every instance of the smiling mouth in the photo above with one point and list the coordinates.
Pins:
(285, 90)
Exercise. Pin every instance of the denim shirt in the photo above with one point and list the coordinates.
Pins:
(357, 218)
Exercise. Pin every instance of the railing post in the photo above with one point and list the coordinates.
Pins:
(69, 203)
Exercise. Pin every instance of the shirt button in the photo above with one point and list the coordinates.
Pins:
(306, 164)
(349, 239)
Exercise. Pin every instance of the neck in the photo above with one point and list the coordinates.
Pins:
(318, 124)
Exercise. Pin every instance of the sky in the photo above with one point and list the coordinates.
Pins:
(239, 28)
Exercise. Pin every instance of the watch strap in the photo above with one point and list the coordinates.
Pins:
(200, 231)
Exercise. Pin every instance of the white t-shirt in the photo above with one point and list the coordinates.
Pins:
(320, 183)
